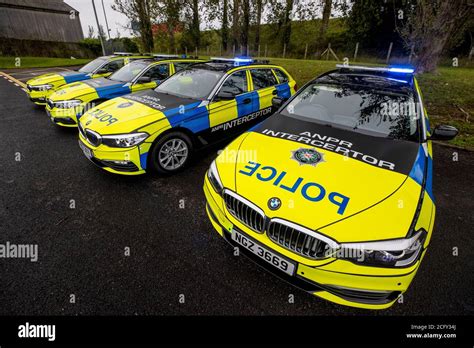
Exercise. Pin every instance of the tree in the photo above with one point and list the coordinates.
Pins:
(168, 12)
(225, 25)
(258, 20)
(245, 26)
(327, 6)
(91, 32)
(429, 26)
(195, 29)
(139, 11)
(286, 26)
(235, 24)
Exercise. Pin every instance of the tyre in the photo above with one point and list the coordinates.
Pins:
(171, 153)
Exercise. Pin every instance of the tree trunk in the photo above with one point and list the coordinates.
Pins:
(286, 27)
(145, 25)
(257, 23)
(430, 53)
(195, 24)
(321, 43)
(225, 26)
(325, 20)
(245, 25)
(235, 24)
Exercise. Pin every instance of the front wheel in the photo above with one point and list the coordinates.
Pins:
(171, 153)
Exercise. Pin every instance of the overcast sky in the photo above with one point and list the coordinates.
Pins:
(116, 20)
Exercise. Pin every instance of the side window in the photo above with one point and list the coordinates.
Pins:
(236, 83)
(281, 76)
(114, 65)
(263, 78)
(158, 72)
(181, 66)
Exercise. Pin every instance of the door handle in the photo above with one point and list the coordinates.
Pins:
(246, 101)
(274, 92)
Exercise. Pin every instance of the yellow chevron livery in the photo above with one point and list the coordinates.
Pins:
(333, 193)
(66, 105)
(159, 130)
(41, 87)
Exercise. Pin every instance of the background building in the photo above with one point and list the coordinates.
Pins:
(45, 20)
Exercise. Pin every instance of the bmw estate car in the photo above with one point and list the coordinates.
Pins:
(68, 103)
(157, 130)
(333, 193)
(40, 87)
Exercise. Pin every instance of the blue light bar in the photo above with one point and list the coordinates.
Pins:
(402, 70)
(393, 69)
(238, 61)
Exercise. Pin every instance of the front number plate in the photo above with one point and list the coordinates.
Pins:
(87, 152)
(275, 260)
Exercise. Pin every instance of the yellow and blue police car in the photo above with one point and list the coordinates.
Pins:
(68, 103)
(40, 87)
(158, 129)
(333, 193)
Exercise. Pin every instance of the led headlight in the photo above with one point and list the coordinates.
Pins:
(67, 104)
(41, 87)
(124, 140)
(213, 176)
(391, 253)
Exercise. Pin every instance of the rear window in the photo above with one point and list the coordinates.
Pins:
(373, 112)
(262, 78)
(181, 66)
(282, 78)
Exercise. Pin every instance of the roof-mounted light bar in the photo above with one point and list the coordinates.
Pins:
(237, 61)
(160, 55)
(123, 54)
(393, 69)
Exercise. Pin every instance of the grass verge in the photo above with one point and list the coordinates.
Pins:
(38, 62)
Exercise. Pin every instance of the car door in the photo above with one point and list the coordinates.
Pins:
(156, 74)
(263, 82)
(239, 103)
(285, 89)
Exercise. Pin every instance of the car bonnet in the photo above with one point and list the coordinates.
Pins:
(303, 165)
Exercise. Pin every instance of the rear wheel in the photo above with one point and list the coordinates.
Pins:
(171, 153)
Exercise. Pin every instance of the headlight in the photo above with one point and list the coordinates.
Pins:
(41, 87)
(213, 176)
(391, 253)
(124, 140)
(67, 104)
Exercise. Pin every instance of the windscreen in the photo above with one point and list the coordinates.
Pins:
(191, 83)
(92, 66)
(369, 111)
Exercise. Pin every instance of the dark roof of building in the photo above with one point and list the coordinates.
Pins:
(40, 5)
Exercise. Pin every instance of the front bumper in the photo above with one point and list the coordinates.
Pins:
(129, 161)
(62, 117)
(335, 280)
(38, 97)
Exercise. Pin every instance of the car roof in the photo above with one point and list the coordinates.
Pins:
(227, 66)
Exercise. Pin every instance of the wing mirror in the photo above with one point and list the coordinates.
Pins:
(277, 102)
(223, 95)
(144, 79)
(444, 132)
